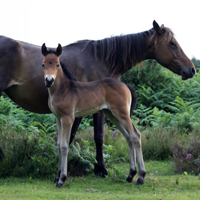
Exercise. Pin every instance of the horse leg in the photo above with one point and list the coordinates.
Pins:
(99, 168)
(58, 123)
(132, 136)
(75, 128)
(66, 126)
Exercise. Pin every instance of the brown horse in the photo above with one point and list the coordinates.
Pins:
(69, 98)
(21, 74)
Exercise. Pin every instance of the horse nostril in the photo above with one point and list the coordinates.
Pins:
(193, 71)
(49, 81)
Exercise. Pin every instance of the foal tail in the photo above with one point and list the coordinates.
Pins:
(134, 99)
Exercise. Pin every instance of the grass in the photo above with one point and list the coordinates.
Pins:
(160, 183)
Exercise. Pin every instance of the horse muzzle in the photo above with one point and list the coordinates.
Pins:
(49, 81)
(189, 73)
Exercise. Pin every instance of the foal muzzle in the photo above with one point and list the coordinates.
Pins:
(49, 81)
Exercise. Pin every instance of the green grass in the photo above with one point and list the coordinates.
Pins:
(160, 183)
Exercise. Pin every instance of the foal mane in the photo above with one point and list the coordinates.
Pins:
(67, 73)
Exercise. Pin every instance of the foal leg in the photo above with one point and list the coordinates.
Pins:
(138, 147)
(58, 123)
(66, 126)
(132, 136)
(99, 168)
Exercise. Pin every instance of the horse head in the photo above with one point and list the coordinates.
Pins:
(167, 51)
(51, 63)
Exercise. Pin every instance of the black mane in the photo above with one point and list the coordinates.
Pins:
(67, 73)
(121, 53)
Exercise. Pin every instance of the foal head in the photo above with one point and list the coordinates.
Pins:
(168, 52)
(51, 63)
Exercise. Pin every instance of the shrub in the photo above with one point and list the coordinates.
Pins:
(186, 154)
(81, 159)
(27, 154)
(156, 143)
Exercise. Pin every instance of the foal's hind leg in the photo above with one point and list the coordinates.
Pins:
(99, 168)
(134, 142)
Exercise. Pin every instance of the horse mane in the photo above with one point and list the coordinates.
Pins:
(120, 53)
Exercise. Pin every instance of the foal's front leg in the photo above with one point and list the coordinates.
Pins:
(66, 126)
(58, 123)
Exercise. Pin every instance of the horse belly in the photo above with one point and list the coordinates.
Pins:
(89, 110)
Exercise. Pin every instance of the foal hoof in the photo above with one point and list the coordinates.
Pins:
(140, 181)
(100, 170)
(59, 185)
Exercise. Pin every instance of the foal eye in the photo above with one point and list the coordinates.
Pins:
(57, 65)
(42, 64)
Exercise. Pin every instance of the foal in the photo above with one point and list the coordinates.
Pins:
(69, 98)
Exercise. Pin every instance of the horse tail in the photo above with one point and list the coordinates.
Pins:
(134, 99)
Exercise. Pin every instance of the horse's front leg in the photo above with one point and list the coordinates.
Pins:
(99, 168)
(75, 128)
(66, 126)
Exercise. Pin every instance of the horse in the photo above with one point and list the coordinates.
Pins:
(69, 99)
(21, 74)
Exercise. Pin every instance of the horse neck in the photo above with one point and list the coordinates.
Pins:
(121, 53)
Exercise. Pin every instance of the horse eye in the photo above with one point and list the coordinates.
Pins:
(42, 64)
(58, 65)
(172, 44)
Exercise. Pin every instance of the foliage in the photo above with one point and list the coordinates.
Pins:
(31, 154)
(186, 154)
(80, 160)
(168, 111)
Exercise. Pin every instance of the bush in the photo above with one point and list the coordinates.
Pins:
(186, 154)
(80, 160)
(27, 154)
(156, 143)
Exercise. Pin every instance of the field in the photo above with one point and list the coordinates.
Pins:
(160, 183)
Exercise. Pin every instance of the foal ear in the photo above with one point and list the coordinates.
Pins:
(44, 50)
(157, 28)
(59, 50)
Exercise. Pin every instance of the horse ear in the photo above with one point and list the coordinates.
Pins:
(59, 50)
(157, 28)
(44, 50)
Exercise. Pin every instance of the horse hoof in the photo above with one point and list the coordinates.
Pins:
(140, 181)
(56, 180)
(129, 179)
(59, 185)
(100, 171)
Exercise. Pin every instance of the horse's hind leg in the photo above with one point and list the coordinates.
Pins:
(99, 168)
(134, 142)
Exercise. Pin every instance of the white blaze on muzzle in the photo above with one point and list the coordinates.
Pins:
(49, 80)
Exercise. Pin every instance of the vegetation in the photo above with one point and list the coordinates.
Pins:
(167, 116)
(160, 183)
